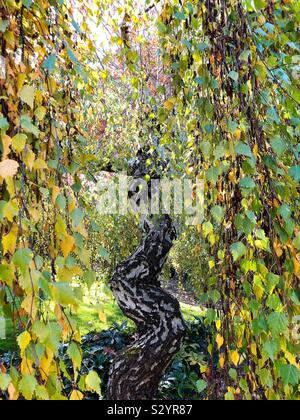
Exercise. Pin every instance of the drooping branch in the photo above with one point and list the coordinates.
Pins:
(137, 371)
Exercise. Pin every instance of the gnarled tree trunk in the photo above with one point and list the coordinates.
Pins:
(137, 371)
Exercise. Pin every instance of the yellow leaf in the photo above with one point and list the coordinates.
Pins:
(52, 86)
(72, 205)
(189, 170)
(27, 94)
(67, 245)
(219, 340)
(102, 317)
(253, 349)
(76, 396)
(222, 361)
(8, 168)
(232, 176)
(39, 97)
(9, 241)
(277, 248)
(20, 81)
(255, 151)
(19, 142)
(93, 382)
(66, 274)
(234, 356)
(40, 113)
(10, 210)
(55, 193)
(10, 38)
(237, 134)
(170, 103)
(218, 324)
(24, 340)
(29, 305)
(6, 143)
(29, 158)
(26, 366)
(45, 364)
(39, 165)
(12, 392)
(296, 268)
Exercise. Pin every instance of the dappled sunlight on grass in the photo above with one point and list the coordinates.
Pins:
(98, 312)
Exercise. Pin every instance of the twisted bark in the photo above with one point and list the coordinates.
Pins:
(137, 371)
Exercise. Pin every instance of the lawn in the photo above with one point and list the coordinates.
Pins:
(98, 312)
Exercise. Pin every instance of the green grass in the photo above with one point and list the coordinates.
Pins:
(88, 320)
(9, 343)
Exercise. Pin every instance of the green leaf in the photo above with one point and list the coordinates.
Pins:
(103, 253)
(207, 228)
(19, 142)
(93, 382)
(285, 212)
(229, 396)
(27, 125)
(162, 28)
(22, 258)
(244, 150)
(277, 323)
(234, 76)
(63, 294)
(274, 302)
(218, 213)
(214, 295)
(278, 145)
(290, 374)
(244, 56)
(77, 216)
(75, 355)
(247, 183)
(27, 386)
(180, 16)
(6, 273)
(205, 147)
(72, 56)
(4, 24)
(232, 126)
(294, 172)
(95, 227)
(273, 115)
(272, 281)
(233, 374)
(61, 201)
(49, 63)
(238, 250)
(260, 4)
(90, 278)
(27, 3)
(296, 242)
(201, 385)
(213, 174)
(202, 46)
(270, 348)
(5, 380)
(266, 378)
(4, 125)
